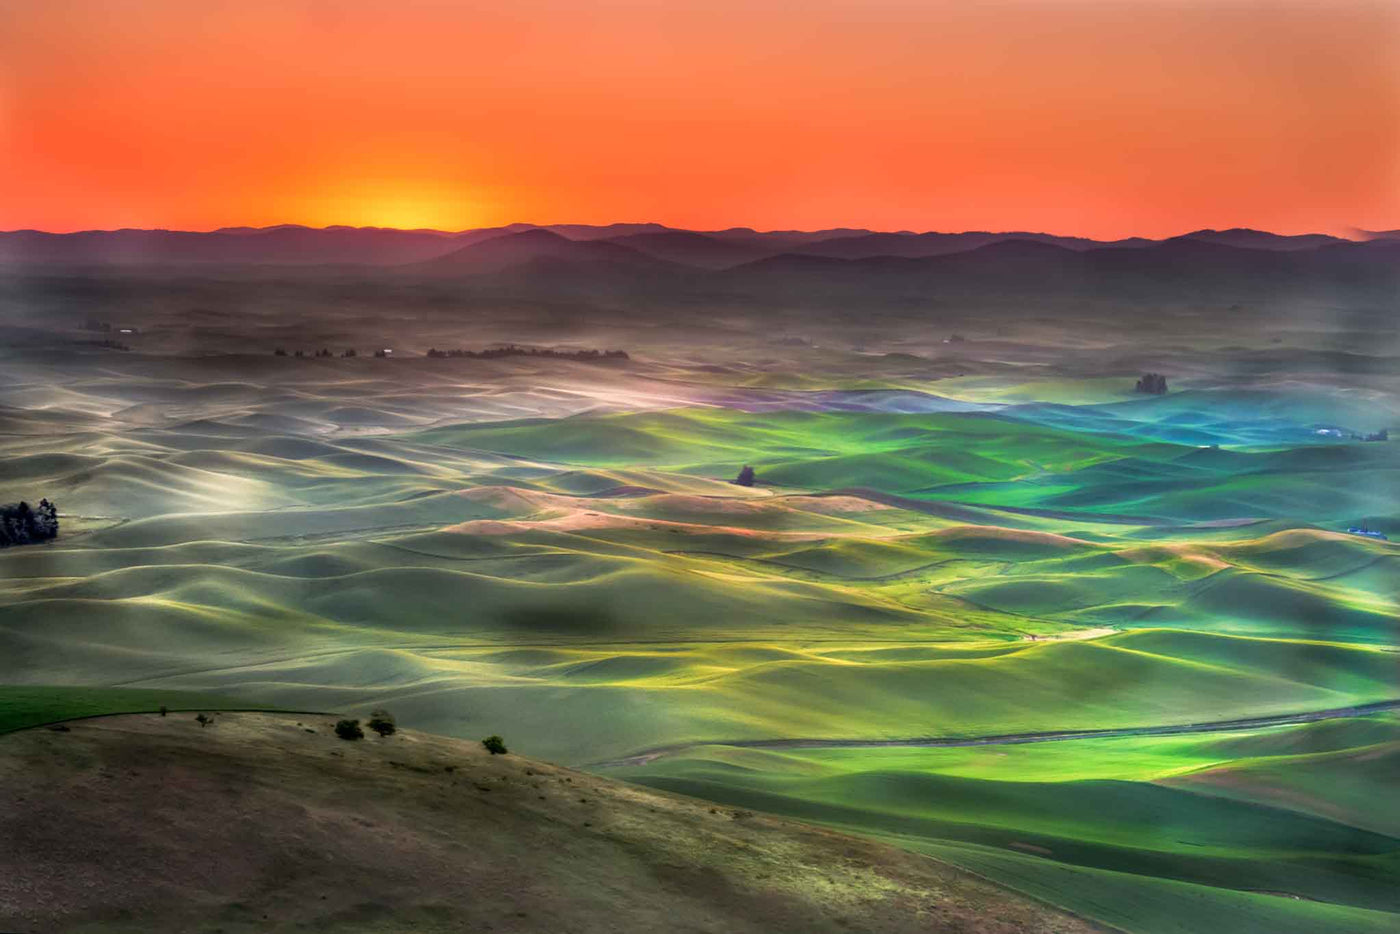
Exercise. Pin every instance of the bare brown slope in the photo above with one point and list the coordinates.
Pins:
(143, 823)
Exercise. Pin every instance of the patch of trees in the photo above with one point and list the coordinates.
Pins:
(514, 350)
(494, 745)
(1152, 383)
(746, 476)
(382, 722)
(490, 353)
(1382, 435)
(323, 352)
(21, 524)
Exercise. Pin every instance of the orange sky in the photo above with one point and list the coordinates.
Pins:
(1078, 116)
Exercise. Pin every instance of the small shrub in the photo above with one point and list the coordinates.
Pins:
(381, 722)
(203, 720)
(1152, 383)
(746, 477)
(163, 710)
(494, 745)
(349, 729)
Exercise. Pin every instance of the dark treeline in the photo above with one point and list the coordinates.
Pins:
(513, 350)
(21, 524)
(323, 352)
(490, 353)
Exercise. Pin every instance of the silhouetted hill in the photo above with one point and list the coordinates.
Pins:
(292, 245)
(780, 240)
(1261, 239)
(992, 253)
(695, 249)
(535, 247)
(1173, 269)
(602, 231)
(937, 244)
(284, 245)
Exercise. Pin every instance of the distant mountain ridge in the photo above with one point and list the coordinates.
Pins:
(938, 244)
(1262, 239)
(1039, 270)
(532, 247)
(613, 245)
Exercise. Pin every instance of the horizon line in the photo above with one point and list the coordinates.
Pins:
(1354, 234)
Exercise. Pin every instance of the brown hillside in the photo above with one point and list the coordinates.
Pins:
(144, 823)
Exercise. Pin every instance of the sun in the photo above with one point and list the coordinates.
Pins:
(404, 206)
(413, 213)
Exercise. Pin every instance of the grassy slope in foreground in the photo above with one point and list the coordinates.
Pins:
(143, 823)
(23, 706)
(1164, 835)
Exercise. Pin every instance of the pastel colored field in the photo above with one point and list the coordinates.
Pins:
(945, 541)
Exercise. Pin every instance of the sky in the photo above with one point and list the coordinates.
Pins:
(1090, 117)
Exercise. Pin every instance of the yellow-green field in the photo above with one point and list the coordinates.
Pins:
(560, 558)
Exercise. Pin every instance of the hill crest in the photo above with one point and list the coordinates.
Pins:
(271, 823)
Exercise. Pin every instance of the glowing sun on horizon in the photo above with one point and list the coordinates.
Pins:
(388, 205)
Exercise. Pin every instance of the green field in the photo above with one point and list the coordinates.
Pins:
(1164, 833)
(559, 557)
(24, 707)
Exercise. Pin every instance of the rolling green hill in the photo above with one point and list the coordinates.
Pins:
(559, 556)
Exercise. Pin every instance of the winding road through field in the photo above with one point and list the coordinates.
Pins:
(1007, 739)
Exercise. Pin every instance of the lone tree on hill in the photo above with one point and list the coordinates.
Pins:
(494, 745)
(1152, 383)
(381, 722)
(745, 477)
(349, 729)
